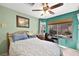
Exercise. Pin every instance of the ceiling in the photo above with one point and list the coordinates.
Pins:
(26, 8)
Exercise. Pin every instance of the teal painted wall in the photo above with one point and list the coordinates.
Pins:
(78, 40)
(8, 17)
(78, 37)
(72, 43)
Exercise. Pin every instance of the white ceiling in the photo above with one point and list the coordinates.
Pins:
(26, 8)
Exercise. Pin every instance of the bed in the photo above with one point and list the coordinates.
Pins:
(32, 47)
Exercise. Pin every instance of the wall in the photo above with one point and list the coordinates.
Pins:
(78, 32)
(78, 40)
(8, 17)
(66, 42)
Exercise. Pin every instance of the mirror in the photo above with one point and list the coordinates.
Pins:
(42, 27)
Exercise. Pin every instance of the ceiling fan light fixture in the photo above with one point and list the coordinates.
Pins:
(48, 9)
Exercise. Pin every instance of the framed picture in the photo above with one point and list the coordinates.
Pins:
(22, 22)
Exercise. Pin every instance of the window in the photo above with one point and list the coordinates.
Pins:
(61, 29)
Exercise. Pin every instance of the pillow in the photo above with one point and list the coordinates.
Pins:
(17, 37)
(31, 36)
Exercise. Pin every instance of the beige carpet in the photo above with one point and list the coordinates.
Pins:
(70, 52)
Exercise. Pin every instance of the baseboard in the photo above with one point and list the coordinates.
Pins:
(62, 46)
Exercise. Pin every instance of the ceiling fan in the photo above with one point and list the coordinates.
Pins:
(47, 8)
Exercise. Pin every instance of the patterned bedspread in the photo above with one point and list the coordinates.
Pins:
(34, 47)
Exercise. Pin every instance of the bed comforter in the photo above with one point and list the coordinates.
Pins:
(34, 47)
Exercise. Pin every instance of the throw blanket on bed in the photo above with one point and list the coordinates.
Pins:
(34, 47)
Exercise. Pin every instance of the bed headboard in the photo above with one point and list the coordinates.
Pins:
(9, 36)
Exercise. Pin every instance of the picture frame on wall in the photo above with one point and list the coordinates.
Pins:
(22, 22)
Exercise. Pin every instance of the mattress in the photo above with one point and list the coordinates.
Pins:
(34, 47)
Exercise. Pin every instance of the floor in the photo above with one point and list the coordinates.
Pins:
(69, 51)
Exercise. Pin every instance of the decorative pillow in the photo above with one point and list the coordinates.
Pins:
(31, 36)
(17, 37)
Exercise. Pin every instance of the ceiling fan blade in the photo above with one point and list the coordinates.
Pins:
(42, 14)
(37, 10)
(51, 12)
(57, 5)
(31, 4)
